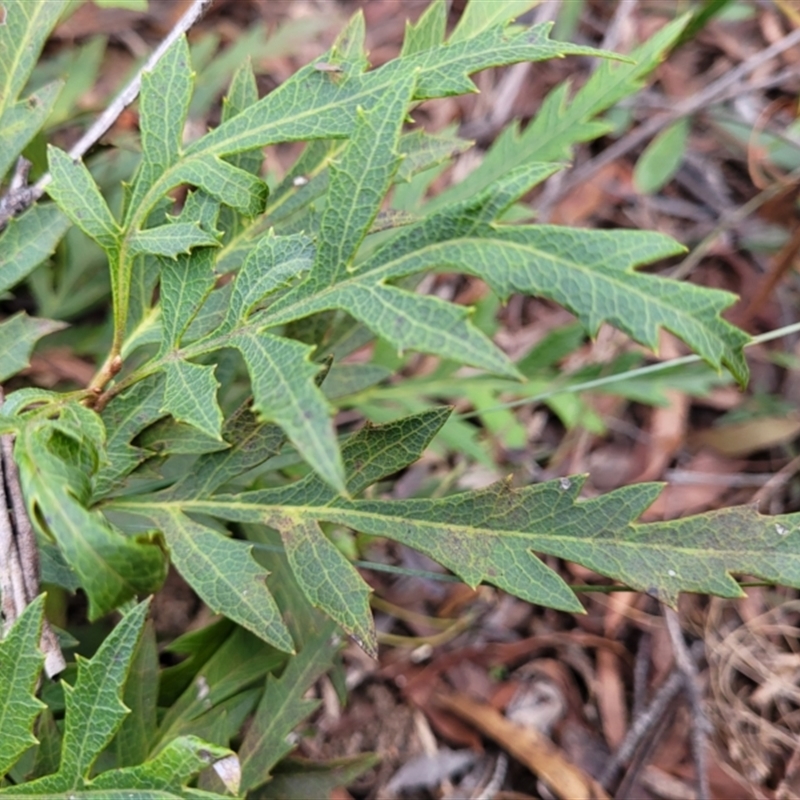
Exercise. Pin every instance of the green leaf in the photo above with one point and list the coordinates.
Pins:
(190, 395)
(282, 707)
(26, 26)
(271, 264)
(94, 708)
(21, 122)
(28, 240)
(235, 664)
(230, 185)
(163, 106)
(135, 736)
(285, 393)
(76, 193)
(300, 778)
(661, 158)
(112, 567)
(20, 666)
(416, 322)
(490, 535)
(327, 578)
(359, 182)
(252, 442)
(478, 17)
(170, 770)
(561, 123)
(429, 30)
(224, 574)
(171, 240)
(127, 415)
(18, 335)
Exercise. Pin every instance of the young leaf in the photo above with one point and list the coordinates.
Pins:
(223, 573)
(561, 123)
(478, 17)
(190, 395)
(359, 182)
(282, 707)
(164, 104)
(94, 709)
(20, 666)
(18, 335)
(285, 392)
(428, 32)
(76, 193)
(171, 240)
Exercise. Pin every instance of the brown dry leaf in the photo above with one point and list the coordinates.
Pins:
(528, 746)
(584, 201)
(745, 438)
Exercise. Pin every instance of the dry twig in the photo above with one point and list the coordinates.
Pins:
(19, 555)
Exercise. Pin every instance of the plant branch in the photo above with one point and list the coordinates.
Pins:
(22, 196)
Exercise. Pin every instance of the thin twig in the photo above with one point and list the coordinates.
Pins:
(731, 220)
(691, 105)
(700, 725)
(17, 200)
(19, 556)
(641, 727)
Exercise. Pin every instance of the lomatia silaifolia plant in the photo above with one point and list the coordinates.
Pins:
(234, 304)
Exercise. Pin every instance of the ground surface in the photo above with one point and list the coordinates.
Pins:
(582, 681)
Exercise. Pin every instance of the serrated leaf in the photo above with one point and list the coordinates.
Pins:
(169, 770)
(271, 264)
(223, 572)
(135, 736)
(561, 123)
(284, 392)
(127, 415)
(282, 707)
(164, 103)
(478, 17)
(18, 335)
(190, 395)
(661, 158)
(359, 182)
(428, 324)
(186, 281)
(490, 535)
(76, 193)
(252, 442)
(171, 240)
(28, 240)
(112, 568)
(328, 579)
(429, 30)
(231, 185)
(20, 122)
(94, 708)
(20, 665)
